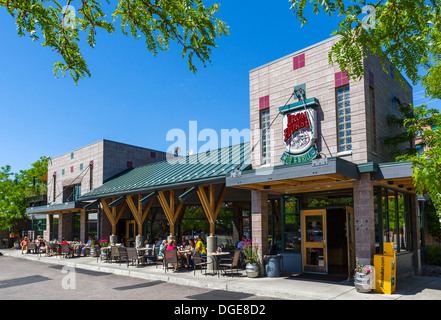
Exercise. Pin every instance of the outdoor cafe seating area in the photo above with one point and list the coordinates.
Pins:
(180, 259)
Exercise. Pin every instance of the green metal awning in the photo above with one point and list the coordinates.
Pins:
(180, 172)
(74, 206)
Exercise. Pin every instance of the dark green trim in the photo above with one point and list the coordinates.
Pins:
(367, 167)
(311, 102)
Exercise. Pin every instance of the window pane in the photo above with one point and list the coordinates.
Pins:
(344, 118)
(314, 228)
(402, 239)
(292, 223)
(265, 134)
(291, 205)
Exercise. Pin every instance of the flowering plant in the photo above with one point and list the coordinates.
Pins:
(359, 268)
(251, 252)
(103, 242)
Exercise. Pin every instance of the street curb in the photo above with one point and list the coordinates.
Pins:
(199, 283)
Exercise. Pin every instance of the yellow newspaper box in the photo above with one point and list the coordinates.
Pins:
(385, 269)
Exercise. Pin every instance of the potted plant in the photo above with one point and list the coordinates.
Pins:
(104, 243)
(251, 258)
(93, 249)
(364, 278)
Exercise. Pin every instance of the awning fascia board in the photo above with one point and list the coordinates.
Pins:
(334, 166)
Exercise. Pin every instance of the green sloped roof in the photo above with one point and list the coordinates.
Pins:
(197, 169)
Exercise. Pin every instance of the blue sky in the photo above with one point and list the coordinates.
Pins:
(134, 97)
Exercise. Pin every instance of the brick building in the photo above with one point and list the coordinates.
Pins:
(324, 188)
(78, 172)
(316, 182)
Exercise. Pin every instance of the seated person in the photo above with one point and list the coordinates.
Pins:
(87, 246)
(24, 244)
(242, 242)
(190, 245)
(40, 243)
(171, 245)
(200, 246)
(65, 242)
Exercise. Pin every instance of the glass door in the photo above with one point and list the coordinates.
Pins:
(314, 241)
(350, 240)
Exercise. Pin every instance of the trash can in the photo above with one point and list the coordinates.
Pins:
(272, 265)
(365, 281)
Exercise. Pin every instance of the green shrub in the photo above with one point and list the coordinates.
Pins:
(434, 255)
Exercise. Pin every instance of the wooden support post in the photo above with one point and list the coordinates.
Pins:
(210, 206)
(170, 211)
(137, 211)
(112, 214)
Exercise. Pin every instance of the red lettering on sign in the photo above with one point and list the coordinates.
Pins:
(294, 123)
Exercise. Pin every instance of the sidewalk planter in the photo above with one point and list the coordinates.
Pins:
(363, 282)
(252, 270)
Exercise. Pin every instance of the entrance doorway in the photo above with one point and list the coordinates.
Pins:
(314, 241)
(130, 233)
(328, 241)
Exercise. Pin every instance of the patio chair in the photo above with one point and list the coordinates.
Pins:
(159, 258)
(150, 253)
(41, 250)
(98, 252)
(31, 246)
(65, 250)
(114, 253)
(230, 263)
(132, 255)
(171, 256)
(199, 261)
(123, 257)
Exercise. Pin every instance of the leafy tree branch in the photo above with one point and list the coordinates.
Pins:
(186, 22)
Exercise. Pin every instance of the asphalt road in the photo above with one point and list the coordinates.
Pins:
(25, 279)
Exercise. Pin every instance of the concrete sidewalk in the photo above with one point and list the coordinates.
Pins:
(284, 287)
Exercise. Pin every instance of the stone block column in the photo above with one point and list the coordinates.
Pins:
(65, 226)
(259, 223)
(364, 219)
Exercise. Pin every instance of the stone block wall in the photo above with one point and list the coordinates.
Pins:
(272, 84)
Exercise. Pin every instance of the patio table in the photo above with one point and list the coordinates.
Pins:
(215, 259)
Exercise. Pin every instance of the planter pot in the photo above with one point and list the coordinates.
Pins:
(252, 270)
(363, 282)
(103, 255)
(93, 252)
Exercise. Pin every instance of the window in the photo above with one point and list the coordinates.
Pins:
(344, 130)
(72, 155)
(71, 169)
(392, 219)
(291, 241)
(54, 228)
(76, 192)
(299, 61)
(81, 166)
(152, 154)
(62, 172)
(92, 224)
(129, 164)
(264, 126)
(274, 226)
